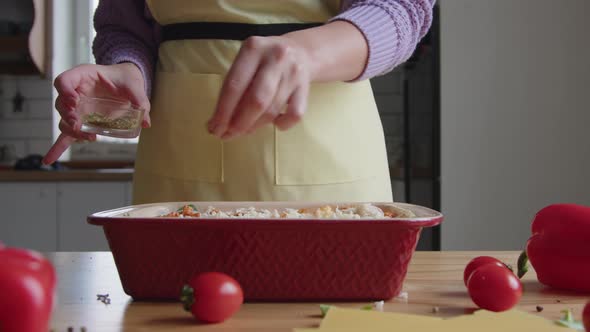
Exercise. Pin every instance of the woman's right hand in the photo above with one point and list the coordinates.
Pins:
(122, 81)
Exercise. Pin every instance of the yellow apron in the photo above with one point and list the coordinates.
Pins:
(336, 153)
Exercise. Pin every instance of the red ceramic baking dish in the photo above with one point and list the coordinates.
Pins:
(272, 259)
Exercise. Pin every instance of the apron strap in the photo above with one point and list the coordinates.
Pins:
(229, 31)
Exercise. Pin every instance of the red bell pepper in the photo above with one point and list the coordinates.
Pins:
(27, 288)
(559, 249)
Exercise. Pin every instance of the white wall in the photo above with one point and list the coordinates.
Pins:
(515, 97)
(27, 131)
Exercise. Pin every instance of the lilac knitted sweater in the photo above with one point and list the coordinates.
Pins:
(125, 32)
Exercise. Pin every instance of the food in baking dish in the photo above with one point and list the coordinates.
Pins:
(351, 211)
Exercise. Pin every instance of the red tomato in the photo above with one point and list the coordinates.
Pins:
(27, 285)
(494, 288)
(586, 317)
(476, 263)
(32, 260)
(212, 297)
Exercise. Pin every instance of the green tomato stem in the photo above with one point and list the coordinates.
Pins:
(523, 264)
(187, 297)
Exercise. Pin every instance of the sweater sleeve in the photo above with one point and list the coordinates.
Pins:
(392, 29)
(126, 33)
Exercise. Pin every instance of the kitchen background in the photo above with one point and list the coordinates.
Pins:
(486, 122)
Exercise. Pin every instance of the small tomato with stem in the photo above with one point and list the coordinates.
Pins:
(477, 262)
(212, 297)
(494, 288)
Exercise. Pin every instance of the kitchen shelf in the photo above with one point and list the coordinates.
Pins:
(13, 44)
(20, 68)
(100, 175)
(17, 46)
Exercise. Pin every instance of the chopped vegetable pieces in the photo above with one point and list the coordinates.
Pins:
(569, 321)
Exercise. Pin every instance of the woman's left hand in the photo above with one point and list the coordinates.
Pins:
(269, 75)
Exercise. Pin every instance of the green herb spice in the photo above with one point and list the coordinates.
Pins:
(569, 321)
(324, 308)
(99, 120)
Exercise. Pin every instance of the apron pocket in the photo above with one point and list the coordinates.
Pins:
(340, 138)
(178, 144)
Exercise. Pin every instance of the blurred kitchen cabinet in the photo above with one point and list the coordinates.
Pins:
(75, 201)
(128, 193)
(28, 215)
(25, 31)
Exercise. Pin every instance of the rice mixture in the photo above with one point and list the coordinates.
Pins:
(360, 211)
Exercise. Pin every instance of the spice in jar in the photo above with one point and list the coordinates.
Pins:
(99, 120)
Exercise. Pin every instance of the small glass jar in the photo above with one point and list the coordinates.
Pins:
(110, 117)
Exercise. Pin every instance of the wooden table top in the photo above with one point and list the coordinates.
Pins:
(434, 279)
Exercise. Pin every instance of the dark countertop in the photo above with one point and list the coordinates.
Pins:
(122, 174)
(114, 174)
